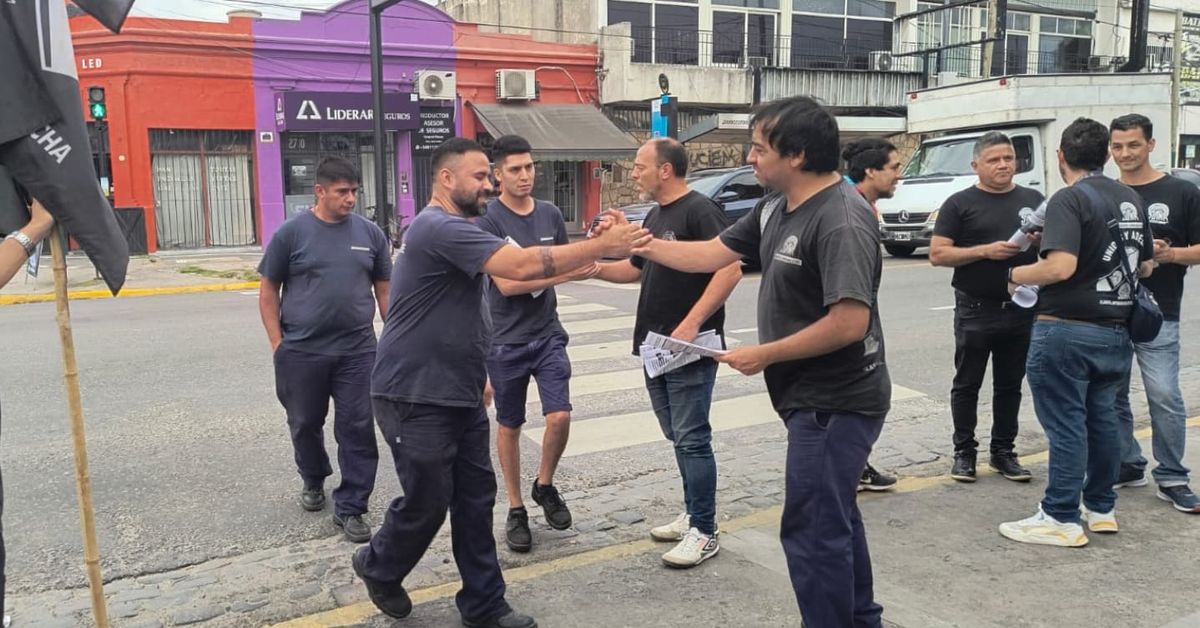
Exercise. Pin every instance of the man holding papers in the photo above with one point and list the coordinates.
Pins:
(684, 306)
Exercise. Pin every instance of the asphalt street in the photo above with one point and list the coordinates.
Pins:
(190, 459)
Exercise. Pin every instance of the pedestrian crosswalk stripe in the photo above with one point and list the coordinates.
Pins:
(584, 308)
(639, 428)
(597, 283)
(599, 324)
(630, 379)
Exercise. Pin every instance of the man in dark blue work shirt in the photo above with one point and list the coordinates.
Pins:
(427, 387)
(333, 267)
(529, 341)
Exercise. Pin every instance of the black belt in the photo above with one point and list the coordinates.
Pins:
(975, 302)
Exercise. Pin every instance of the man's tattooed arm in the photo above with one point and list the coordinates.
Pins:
(548, 267)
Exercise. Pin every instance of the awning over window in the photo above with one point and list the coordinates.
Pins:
(559, 132)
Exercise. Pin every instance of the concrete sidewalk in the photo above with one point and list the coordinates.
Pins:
(938, 561)
(173, 272)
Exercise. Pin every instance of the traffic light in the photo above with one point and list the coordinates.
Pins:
(96, 105)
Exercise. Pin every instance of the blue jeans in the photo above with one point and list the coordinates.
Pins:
(821, 529)
(681, 400)
(1159, 362)
(1075, 372)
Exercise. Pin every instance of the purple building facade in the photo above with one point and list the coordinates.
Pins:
(312, 85)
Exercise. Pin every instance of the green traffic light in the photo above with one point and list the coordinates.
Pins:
(99, 111)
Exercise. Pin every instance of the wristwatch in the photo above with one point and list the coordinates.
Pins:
(23, 240)
(1010, 269)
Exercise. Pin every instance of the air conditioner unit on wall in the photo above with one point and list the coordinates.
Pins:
(515, 85)
(883, 61)
(436, 85)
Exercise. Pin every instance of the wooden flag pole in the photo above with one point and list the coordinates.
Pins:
(83, 481)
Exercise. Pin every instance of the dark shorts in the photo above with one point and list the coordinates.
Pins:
(510, 366)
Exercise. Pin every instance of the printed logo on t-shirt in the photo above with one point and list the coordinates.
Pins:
(547, 239)
(668, 235)
(360, 248)
(1128, 211)
(787, 251)
(1158, 213)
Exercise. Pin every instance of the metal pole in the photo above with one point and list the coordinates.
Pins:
(102, 148)
(381, 158)
(1176, 86)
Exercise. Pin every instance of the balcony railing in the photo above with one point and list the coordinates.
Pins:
(708, 49)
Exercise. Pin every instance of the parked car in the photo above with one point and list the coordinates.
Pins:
(735, 189)
(1191, 175)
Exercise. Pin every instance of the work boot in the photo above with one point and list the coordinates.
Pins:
(1006, 464)
(353, 527)
(964, 466)
(516, 530)
(553, 506)
(312, 497)
(388, 597)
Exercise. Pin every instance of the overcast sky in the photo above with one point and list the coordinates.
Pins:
(215, 10)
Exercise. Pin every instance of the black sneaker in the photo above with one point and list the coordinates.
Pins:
(1181, 497)
(516, 530)
(388, 597)
(511, 619)
(1006, 464)
(553, 506)
(873, 480)
(354, 527)
(1131, 477)
(964, 466)
(312, 497)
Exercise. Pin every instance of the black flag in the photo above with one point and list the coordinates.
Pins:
(43, 139)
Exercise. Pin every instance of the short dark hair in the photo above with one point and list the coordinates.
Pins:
(453, 147)
(669, 151)
(1084, 144)
(334, 169)
(1131, 121)
(871, 153)
(507, 145)
(800, 124)
(988, 140)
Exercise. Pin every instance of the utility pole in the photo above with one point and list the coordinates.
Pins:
(1176, 86)
(997, 32)
(382, 207)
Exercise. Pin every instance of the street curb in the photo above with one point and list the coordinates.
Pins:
(80, 295)
(361, 611)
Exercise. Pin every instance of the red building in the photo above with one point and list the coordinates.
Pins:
(548, 93)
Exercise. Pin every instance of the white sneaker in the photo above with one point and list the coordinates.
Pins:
(1100, 522)
(673, 531)
(694, 549)
(1042, 529)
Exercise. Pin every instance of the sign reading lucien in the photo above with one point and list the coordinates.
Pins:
(343, 111)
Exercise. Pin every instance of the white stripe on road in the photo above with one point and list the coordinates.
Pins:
(639, 428)
(584, 308)
(599, 324)
(597, 283)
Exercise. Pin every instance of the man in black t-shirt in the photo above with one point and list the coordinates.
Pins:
(681, 305)
(528, 340)
(1173, 210)
(972, 235)
(822, 346)
(1080, 352)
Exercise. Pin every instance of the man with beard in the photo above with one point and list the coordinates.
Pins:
(972, 235)
(681, 305)
(1173, 209)
(529, 340)
(427, 387)
(873, 167)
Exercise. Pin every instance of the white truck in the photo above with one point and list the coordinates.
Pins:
(1031, 109)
